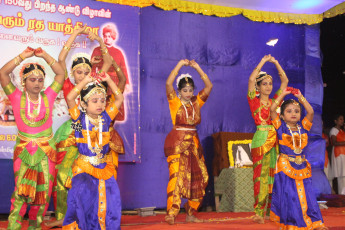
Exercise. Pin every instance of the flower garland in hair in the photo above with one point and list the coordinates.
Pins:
(182, 76)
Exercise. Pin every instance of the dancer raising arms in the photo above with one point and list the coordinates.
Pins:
(264, 142)
(34, 155)
(187, 169)
(64, 137)
(94, 200)
(294, 205)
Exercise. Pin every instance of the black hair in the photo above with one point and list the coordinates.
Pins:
(182, 83)
(336, 117)
(286, 103)
(84, 91)
(32, 66)
(261, 77)
(79, 60)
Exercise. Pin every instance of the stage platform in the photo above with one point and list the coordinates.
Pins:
(334, 219)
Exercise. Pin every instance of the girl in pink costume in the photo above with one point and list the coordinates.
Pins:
(34, 155)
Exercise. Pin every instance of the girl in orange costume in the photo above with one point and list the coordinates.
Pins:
(187, 169)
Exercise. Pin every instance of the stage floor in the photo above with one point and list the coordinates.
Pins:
(333, 217)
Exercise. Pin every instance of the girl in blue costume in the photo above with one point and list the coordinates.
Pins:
(294, 205)
(94, 200)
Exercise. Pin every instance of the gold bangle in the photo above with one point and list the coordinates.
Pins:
(104, 52)
(66, 48)
(117, 92)
(20, 55)
(52, 63)
(282, 74)
(204, 76)
(302, 99)
(16, 61)
(277, 102)
(76, 90)
(257, 69)
(174, 73)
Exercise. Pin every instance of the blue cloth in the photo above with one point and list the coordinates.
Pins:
(82, 203)
(83, 197)
(286, 202)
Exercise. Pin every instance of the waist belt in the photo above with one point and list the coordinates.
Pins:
(265, 128)
(94, 160)
(297, 160)
(36, 139)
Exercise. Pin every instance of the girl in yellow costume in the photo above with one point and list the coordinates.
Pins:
(187, 169)
(264, 141)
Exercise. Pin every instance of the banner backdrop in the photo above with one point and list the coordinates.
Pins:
(48, 24)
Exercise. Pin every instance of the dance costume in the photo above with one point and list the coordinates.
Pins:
(294, 205)
(34, 156)
(68, 152)
(94, 200)
(264, 153)
(187, 169)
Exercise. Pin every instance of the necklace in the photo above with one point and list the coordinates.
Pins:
(32, 115)
(98, 148)
(187, 111)
(264, 121)
(296, 150)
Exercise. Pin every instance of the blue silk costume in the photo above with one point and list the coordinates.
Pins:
(294, 205)
(94, 200)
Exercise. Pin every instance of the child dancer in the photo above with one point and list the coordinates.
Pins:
(187, 169)
(264, 144)
(294, 205)
(34, 156)
(94, 200)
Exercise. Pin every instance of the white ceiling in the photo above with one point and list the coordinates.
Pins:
(283, 6)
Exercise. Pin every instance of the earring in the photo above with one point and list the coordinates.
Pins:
(179, 95)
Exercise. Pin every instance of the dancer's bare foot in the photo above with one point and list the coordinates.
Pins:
(258, 219)
(170, 219)
(57, 223)
(193, 219)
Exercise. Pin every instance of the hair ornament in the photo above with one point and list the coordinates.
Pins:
(185, 76)
(36, 71)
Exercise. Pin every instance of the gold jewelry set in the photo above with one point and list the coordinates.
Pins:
(264, 121)
(204, 76)
(76, 90)
(82, 64)
(104, 51)
(117, 92)
(302, 99)
(66, 48)
(95, 90)
(298, 159)
(94, 160)
(18, 60)
(36, 72)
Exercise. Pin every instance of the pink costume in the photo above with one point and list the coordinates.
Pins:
(34, 156)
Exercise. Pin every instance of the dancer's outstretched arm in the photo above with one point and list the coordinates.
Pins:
(12, 64)
(283, 78)
(203, 76)
(65, 49)
(256, 71)
(277, 102)
(173, 74)
(307, 106)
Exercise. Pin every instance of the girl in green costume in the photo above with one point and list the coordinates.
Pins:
(264, 142)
